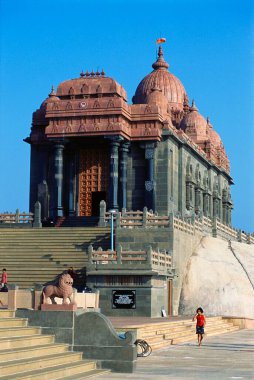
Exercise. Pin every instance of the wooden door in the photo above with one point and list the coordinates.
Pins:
(93, 177)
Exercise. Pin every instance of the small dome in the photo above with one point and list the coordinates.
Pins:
(214, 136)
(161, 78)
(91, 83)
(194, 123)
(51, 98)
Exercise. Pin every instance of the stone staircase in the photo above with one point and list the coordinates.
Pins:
(38, 255)
(27, 354)
(163, 334)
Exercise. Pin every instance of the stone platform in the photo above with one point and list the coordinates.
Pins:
(223, 357)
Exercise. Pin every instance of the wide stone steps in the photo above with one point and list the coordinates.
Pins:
(26, 354)
(38, 255)
(161, 335)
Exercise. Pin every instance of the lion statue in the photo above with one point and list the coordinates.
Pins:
(62, 290)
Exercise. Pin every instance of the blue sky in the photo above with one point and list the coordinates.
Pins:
(208, 47)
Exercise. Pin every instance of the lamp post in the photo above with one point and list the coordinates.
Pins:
(112, 213)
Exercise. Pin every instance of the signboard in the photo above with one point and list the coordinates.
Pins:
(123, 299)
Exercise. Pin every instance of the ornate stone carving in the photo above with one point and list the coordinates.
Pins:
(96, 104)
(110, 104)
(149, 185)
(69, 106)
(149, 153)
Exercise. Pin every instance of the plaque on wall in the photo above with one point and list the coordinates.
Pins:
(123, 299)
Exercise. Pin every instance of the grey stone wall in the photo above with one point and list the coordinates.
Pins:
(141, 238)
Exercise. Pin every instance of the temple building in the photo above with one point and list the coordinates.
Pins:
(88, 144)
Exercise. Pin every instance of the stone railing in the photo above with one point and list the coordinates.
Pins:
(17, 217)
(133, 260)
(190, 224)
(22, 218)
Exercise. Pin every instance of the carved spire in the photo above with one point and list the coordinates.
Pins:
(193, 106)
(52, 93)
(160, 63)
(102, 73)
(82, 74)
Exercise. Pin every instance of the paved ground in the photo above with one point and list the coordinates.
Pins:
(227, 356)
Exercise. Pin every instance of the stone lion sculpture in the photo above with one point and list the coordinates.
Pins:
(63, 290)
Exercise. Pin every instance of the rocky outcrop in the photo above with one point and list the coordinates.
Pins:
(220, 278)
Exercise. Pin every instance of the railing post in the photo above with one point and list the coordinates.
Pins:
(102, 220)
(145, 216)
(214, 227)
(119, 254)
(17, 216)
(118, 220)
(12, 296)
(248, 238)
(239, 235)
(149, 254)
(37, 215)
(90, 253)
(171, 220)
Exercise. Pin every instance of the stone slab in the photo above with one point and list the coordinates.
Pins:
(57, 307)
(223, 357)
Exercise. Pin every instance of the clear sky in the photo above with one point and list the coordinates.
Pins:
(209, 48)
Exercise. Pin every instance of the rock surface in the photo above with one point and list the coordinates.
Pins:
(219, 279)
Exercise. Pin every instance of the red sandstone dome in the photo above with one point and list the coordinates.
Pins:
(193, 123)
(91, 84)
(161, 78)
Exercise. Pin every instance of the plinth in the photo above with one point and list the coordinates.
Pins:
(58, 307)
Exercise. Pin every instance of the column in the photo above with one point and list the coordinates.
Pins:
(215, 207)
(150, 181)
(113, 180)
(206, 204)
(124, 149)
(197, 200)
(58, 180)
(71, 184)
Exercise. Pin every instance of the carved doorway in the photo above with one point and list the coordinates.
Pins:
(93, 180)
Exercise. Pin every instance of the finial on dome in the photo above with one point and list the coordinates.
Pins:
(160, 63)
(82, 74)
(52, 93)
(193, 106)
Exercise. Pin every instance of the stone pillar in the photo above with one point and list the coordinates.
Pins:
(150, 182)
(124, 149)
(113, 180)
(71, 185)
(12, 296)
(197, 200)
(205, 204)
(58, 180)
(43, 198)
(37, 215)
(102, 221)
(215, 206)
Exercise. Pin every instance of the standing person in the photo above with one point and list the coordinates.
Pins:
(4, 278)
(201, 321)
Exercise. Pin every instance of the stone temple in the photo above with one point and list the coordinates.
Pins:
(88, 144)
